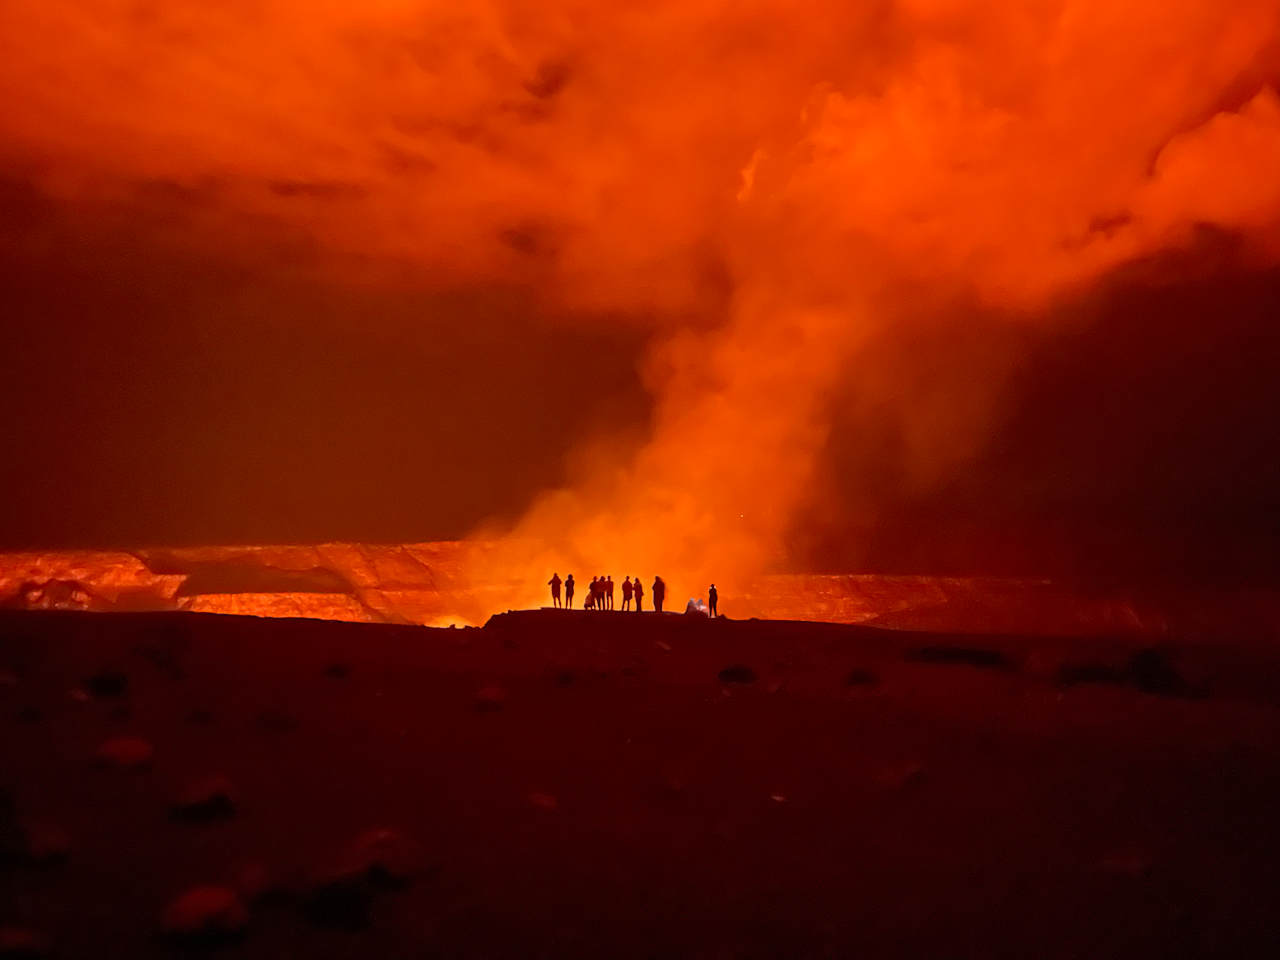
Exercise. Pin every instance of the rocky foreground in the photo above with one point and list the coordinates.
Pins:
(571, 784)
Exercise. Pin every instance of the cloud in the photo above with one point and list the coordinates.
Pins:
(766, 187)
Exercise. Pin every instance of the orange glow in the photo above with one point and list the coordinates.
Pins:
(768, 185)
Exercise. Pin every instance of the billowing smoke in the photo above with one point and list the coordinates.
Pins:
(766, 187)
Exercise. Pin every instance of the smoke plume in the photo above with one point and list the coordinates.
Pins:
(767, 190)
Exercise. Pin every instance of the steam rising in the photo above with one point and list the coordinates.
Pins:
(767, 186)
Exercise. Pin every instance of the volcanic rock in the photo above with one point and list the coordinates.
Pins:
(340, 899)
(1152, 672)
(859, 677)
(387, 857)
(208, 798)
(126, 753)
(108, 683)
(1148, 670)
(737, 673)
(207, 915)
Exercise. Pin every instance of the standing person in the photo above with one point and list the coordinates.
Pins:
(593, 591)
(626, 594)
(659, 593)
(608, 592)
(639, 588)
(554, 583)
(712, 596)
(568, 592)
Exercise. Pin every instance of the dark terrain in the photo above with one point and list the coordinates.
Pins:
(611, 785)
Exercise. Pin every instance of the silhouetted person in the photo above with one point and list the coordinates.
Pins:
(711, 600)
(554, 583)
(639, 588)
(568, 592)
(626, 594)
(659, 593)
(608, 592)
(593, 592)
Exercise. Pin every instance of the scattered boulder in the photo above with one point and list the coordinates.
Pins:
(490, 697)
(126, 753)
(1152, 672)
(858, 677)
(543, 801)
(20, 943)
(206, 799)
(386, 857)
(108, 683)
(200, 717)
(206, 915)
(337, 671)
(1149, 670)
(737, 673)
(339, 900)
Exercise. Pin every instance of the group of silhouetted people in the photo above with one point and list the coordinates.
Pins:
(600, 593)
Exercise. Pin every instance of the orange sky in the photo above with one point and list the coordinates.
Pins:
(760, 190)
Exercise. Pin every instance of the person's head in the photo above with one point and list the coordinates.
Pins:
(713, 586)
